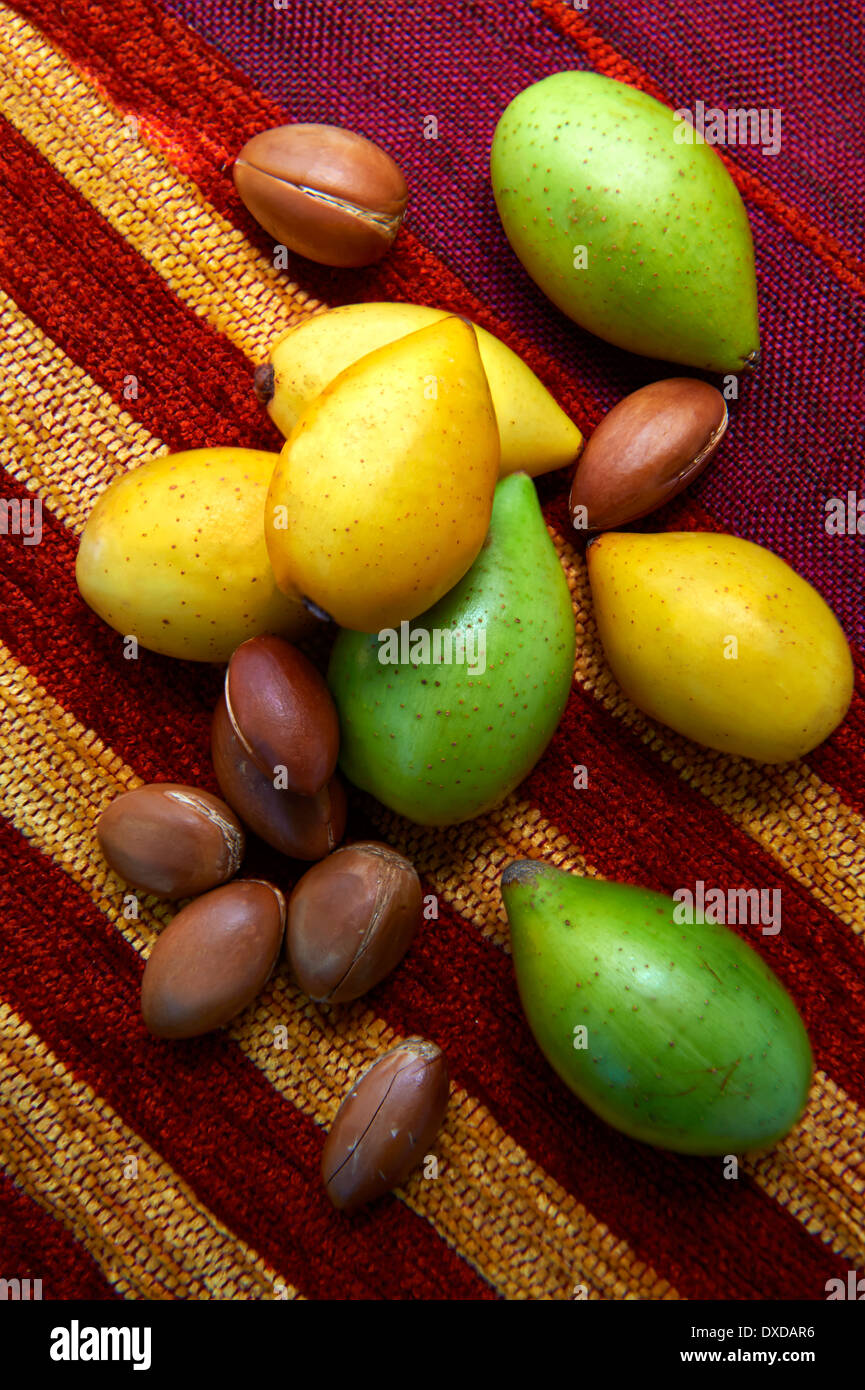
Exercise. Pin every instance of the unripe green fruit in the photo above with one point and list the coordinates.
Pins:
(432, 740)
(638, 236)
(692, 1043)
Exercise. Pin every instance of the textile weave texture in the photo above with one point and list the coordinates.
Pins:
(136, 298)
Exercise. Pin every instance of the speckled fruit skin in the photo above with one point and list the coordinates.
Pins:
(435, 743)
(387, 480)
(536, 434)
(173, 553)
(582, 160)
(667, 606)
(693, 1044)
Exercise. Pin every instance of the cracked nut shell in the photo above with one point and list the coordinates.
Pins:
(324, 192)
(649, 447)
(304, 827)
(282, 713)
(212, 959)
(171, 840)
(386, 1124)
(351, 920)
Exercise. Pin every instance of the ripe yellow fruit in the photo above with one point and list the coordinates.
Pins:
(173, 554)
(536, 434)
(382, 496)
(721, 640)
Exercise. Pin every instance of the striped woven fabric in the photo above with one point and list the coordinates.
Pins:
(138, 1169)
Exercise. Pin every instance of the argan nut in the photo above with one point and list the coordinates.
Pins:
(304, 827)
(322, 191)
(282, 713)
(351, 919)
(648, 448)
(386, 1124)
(212, 959)
(171, 840)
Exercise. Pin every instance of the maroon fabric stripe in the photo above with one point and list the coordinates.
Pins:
(34, 1245)
(247, 1153)
(756, 43)
(113, 315)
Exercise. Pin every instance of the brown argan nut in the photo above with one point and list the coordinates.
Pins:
(327, 193)
(351, 919)
(386, 1124)
(282, 713)
(646, 450)
(305, 827)
(213, 958)
(170, 840)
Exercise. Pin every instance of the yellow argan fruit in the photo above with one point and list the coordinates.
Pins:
(721, 640)
(383, 492)
(173, 554)
(536, 434)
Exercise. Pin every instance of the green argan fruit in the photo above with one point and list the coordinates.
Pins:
(677, 1034)
(440, 740)
(638, 236)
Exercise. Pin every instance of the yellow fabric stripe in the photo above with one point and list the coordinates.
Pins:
(488, 1192)
(61, 435)
(818, 1171)
(150, 1235)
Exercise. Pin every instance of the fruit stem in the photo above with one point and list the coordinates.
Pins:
(262, 383)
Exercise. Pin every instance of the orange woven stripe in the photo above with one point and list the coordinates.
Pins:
(144, 1227)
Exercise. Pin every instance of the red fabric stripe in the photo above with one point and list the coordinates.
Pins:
(606, 60)
(201, 1104)
(450, 975)
(112, 314)
(33, 1245)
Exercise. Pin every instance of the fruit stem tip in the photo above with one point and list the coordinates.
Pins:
(314, 609)
(752, 361)
(262, 382)
(520, 871)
